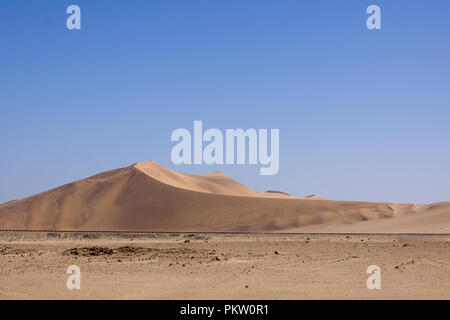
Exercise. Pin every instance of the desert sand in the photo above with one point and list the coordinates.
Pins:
(149, 197)
(146, 232)
(223, 266)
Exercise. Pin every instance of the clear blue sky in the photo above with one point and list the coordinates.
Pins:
(363, 115)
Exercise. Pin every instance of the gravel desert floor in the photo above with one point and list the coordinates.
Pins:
(223, 266)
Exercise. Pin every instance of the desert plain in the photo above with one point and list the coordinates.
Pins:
(223, 266)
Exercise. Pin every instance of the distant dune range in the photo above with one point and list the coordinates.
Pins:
(149, 197)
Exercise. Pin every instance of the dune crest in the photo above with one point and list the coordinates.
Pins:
(149, 197)
(217, 182)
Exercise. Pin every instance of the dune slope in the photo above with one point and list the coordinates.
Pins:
(149, 197)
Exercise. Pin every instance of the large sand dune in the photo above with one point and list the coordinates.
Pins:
(149, 197)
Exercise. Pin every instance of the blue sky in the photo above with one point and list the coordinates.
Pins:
(363, 115)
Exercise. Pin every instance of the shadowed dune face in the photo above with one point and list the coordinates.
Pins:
(149, 197)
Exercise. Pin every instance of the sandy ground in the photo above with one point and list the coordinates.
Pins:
(223, 266)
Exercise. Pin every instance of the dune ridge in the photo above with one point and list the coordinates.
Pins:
(216, 182)
(149, 197)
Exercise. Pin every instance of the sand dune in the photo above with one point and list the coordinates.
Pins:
(149, 197)
(314, 197)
